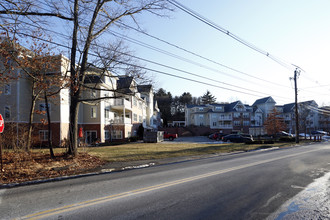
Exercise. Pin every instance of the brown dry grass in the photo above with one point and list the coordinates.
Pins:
(20, 166)
(145, 151)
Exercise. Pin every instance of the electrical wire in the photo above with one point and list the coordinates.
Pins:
(198, 55)
(153, 70)
(176, 69)
(235, 37)
(195, 54)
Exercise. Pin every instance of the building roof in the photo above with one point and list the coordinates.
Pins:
(289, 107)
(93, 79)
(124, 84)
(144, 88)
(230, 107)
(194, 105)
(263, 100)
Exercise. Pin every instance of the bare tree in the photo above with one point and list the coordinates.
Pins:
(38, 66)
(90, 20)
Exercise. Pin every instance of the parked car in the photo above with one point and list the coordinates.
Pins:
(319, 133)
(237, 138)
(326, 137)
(283, 134)
(216, 136)
(170, 136)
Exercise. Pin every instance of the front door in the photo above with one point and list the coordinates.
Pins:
(91, 137)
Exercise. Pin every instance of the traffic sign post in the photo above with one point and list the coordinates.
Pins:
(2, 124)
(2, 127)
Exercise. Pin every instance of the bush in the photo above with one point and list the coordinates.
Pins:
(287, 139)
(133, 139)
(254, 142)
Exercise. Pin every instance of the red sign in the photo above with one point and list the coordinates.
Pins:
(2, 124)
(81, 134)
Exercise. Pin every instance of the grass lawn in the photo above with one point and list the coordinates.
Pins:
(145, 151)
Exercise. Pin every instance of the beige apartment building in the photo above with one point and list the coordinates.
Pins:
(112, 108)
(15, 105)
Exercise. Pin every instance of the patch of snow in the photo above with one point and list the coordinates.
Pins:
(138, 166)
(311, 203)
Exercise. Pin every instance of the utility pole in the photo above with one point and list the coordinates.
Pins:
(296, 72)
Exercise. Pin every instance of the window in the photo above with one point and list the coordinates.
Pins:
(140, 105)
(91, 137)
(7, 89)
(117, 134)
(140, 118)
(214, 123)
(237, 115)
(246, 115)
(43, 135)
(7, 112)
(93, 112)
(246, 123)
(106, 134)
(134, 117)
(240, 108)
(237, 123)
(107, 112)
(219, 108)
(134, 101)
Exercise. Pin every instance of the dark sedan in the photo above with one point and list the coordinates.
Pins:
(236, 138)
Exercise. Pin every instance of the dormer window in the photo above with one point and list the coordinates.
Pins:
(219, 108)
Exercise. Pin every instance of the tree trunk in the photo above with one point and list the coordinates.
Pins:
(73, 127)
(49, 129)
(33, 103)
(74, 107)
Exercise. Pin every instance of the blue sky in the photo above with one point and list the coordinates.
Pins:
(296, 31)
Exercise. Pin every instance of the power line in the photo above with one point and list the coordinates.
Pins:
(195, 54)
(235, 37)
(179, 57)
(176, 69)
(153, 70)
(200, 56)
(160, 51)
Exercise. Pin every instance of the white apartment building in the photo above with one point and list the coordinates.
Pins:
(237, 117)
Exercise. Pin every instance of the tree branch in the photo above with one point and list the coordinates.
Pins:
(36, 14)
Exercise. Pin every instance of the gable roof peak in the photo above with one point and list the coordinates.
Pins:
(264, 100)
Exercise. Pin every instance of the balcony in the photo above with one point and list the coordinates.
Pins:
(122, 120)
(227, 118)
(119, 104)
(225, 126)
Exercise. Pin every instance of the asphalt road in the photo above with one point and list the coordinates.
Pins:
(250, 185)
